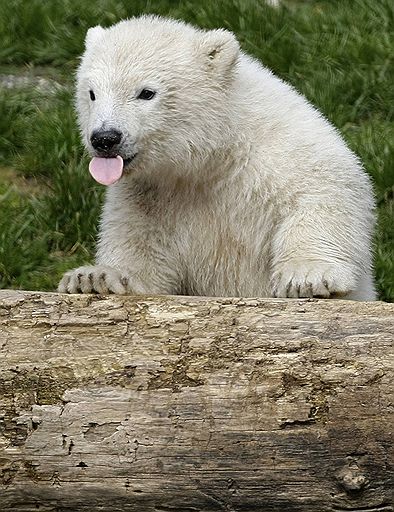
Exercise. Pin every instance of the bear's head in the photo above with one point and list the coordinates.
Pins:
(156, 92)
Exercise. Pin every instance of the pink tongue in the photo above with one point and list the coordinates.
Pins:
(106, 170)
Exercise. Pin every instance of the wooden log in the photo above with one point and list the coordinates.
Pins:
(191, 404)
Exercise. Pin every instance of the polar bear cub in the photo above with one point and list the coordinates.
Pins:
(222, 179)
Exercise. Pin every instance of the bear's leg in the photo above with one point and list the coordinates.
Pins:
(321, 252)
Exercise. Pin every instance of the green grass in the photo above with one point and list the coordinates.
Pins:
(339, 54)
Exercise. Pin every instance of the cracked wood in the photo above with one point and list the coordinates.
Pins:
(193, 404)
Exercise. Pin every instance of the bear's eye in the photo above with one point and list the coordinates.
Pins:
(146, 94)
(92, 95)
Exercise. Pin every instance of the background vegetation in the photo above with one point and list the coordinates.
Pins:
(339, 54)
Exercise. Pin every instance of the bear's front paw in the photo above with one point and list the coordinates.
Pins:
(94, 279)
(313, 279)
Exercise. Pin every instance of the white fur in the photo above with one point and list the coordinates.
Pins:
(240, 187)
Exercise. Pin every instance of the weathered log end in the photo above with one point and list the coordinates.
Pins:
(192, 404)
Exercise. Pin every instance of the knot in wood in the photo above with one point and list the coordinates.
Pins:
(352, 480)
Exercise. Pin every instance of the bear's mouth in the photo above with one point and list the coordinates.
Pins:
(107, 170)
(126, 159)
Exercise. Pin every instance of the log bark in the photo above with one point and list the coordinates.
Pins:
(191, 404)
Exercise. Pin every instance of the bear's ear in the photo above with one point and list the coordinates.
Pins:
(93, 35)
(219, 49)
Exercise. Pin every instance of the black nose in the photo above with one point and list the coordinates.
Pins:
(105, 140)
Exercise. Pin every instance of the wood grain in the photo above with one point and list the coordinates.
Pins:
(191, 404)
